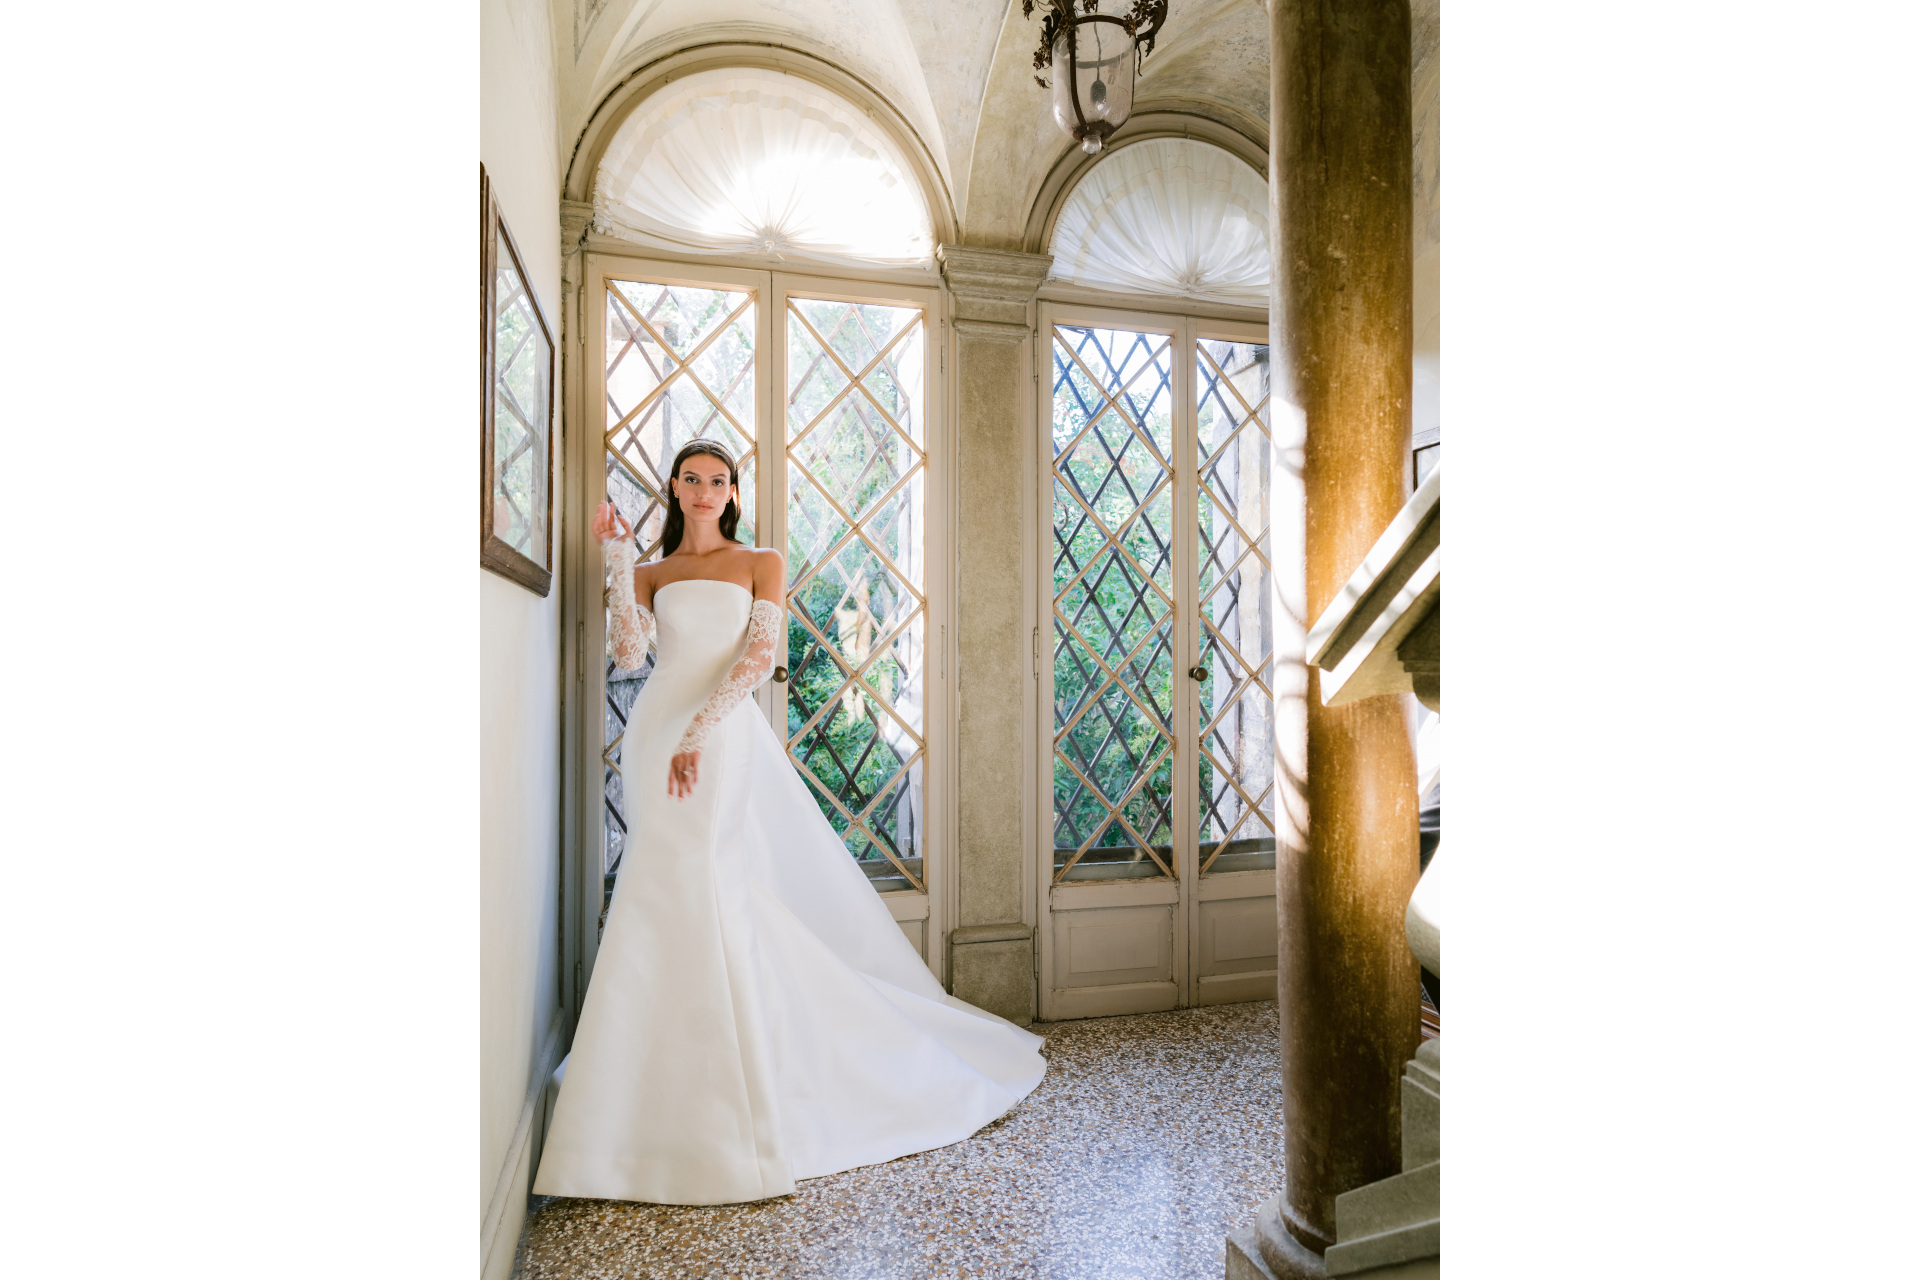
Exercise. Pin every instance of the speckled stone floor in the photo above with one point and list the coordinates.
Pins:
(1150, 1138)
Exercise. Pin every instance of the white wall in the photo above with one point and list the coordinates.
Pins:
(519, 676)
(1426, 215)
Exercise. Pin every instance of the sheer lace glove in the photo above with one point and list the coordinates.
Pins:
(748, 673)
(632, 624)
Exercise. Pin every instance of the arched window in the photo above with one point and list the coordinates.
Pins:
(1157, 683)
(728, 184)
(750, 160)
(1168, 216)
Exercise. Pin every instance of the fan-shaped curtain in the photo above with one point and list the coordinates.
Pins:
(754, 161)
(1167, 216)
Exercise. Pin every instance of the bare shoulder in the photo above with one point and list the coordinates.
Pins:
(646, 580)
(765, 556)
(769, 572)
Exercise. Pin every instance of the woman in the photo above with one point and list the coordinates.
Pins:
(755, 1015)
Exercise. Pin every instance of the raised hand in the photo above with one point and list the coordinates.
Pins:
(608, 524)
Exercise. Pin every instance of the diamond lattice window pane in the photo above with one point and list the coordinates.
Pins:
(1236, 640)
(1113, 602)
(680, 366)
(856, 531)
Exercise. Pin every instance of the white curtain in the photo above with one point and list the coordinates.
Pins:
(754, 161)
(1167, 216)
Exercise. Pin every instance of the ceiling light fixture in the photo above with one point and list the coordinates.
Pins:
(1094, 57)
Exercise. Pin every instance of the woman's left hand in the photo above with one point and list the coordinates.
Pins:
(682, 772)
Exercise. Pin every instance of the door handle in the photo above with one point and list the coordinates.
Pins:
(780, 675)
(1198, 673)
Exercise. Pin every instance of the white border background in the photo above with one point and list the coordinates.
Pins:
(241, 731)
(1679, 291)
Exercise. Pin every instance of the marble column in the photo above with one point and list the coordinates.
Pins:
(991, 941)
(1343, 352)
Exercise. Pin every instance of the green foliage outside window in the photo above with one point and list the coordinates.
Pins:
(1115, 475)
(850, 461)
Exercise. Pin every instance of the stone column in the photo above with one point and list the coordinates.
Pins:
(991, 958)
(1343, 350)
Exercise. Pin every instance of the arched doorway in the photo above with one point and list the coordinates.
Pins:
(1156, 662)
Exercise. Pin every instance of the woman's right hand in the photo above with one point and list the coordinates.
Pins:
(608, 524)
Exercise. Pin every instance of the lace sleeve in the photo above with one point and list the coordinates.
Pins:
(632, 624)
(748, 673)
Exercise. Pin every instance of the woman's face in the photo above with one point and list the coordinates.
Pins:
(703, 487)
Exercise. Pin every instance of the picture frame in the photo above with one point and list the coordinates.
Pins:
(517, 376)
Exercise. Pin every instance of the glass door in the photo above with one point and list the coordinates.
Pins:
(825, 391)
(1158, 878)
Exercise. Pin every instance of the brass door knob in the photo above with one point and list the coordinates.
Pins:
(1198, 673)
(780, 674)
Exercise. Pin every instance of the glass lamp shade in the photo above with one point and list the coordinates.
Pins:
(1093, 96)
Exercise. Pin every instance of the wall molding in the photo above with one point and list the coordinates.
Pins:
(1159, 303)
(992, 289)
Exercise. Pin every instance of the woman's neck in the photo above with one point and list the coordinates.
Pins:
(699, 539)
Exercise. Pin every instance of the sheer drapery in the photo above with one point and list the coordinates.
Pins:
(755, 161)
(1167, 216)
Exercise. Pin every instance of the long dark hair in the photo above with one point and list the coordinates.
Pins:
(676, 525)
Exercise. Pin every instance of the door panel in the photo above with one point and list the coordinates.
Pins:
(1157, 884)
(1106, 947)
(1236, 938)
(1112, 960)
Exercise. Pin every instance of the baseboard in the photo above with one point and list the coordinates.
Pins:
(1236, 988)
(507, 1210)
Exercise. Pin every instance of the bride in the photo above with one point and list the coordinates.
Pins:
(755, 1015)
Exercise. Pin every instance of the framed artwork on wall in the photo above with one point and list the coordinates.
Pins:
(516, 411)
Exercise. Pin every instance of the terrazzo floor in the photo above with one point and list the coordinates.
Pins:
(1150, 1138)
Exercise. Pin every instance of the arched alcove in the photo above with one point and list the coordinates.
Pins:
(757, 161)
(1175, 217)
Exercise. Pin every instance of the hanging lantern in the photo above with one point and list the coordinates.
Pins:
(1093, 57)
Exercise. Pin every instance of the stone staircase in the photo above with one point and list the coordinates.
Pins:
(1390, 1230)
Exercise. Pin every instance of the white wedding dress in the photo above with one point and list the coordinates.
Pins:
(755, 1015)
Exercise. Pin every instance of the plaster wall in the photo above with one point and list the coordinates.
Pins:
(1426, 215)
(519, 664)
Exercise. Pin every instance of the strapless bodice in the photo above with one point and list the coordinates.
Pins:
(702, 628)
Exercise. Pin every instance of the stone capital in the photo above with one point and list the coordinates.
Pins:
(992, 288)
(576, 216)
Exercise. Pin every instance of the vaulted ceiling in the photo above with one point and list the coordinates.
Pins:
(958, 71)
